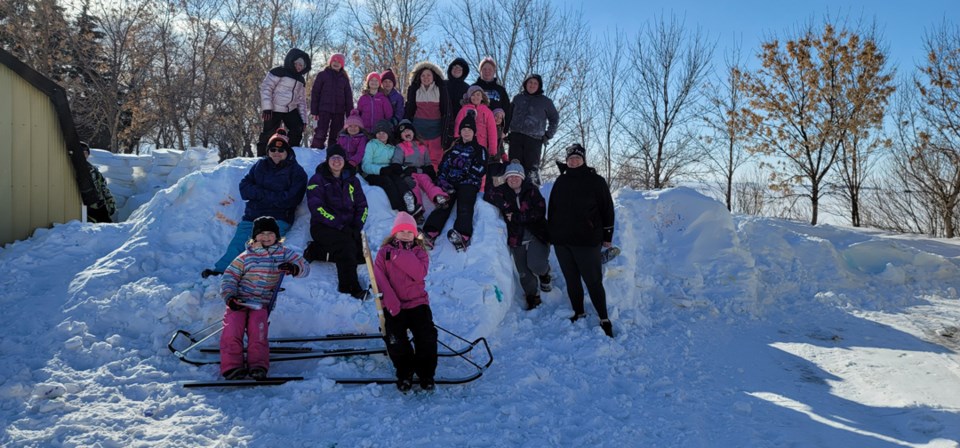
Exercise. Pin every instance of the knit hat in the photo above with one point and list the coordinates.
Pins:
(514, 169)
(499, 111)
(469, 121)
(354, 118)
(388, 75)
(473, 89)
(279, 140)
(383, 126)
(402, 222)
(337, 57)
(265, 224)
(404, 125)
(336, 150)
(373, 75)
(487, 60)
(577, 149)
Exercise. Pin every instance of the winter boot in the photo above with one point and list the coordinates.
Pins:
(441, 201)
(235, 374)
(428, 384)
(405, 384)
(429, 239)
(577, 316)
(608, 254)
(607, 327)
(258, 373)
(208, 272)
(546, 282)
(410, 202)
(533, 301)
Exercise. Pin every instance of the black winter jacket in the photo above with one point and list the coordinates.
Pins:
(580, 212)
(498, 97)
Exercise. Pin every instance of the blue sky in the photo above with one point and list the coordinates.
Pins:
(902, 22)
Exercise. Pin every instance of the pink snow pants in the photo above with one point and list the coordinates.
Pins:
(435, 149)
(426, 186)
(235, 323)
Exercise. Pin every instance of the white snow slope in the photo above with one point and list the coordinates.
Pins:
(730, 332)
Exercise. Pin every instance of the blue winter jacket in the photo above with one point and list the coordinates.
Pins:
(272, 189)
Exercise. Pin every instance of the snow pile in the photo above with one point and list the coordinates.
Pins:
(730, 331)
(134, 179)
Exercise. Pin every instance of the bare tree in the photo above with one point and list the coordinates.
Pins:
(727, 142)
(610, 79)
(671, 67)
(805, 100)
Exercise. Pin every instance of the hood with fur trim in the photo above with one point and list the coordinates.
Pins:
(419, 68)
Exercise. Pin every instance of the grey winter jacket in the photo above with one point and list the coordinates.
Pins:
(284, 89)
(534, 115)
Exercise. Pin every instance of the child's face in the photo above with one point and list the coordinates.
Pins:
(387, 85)
(407, 135)
(382, 136)
(426, 78)
(476, 98)
(406, 236)
(373, 84)
(499, 118)
(456, 71)
(266, 239)
(336, 65)
(514, 182)
(353, 129)
(466, 134)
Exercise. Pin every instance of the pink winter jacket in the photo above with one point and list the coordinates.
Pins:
(401, 270)
(486, 126)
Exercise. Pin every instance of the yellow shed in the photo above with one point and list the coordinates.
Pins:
(44, 177)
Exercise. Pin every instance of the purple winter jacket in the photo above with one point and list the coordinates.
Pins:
(331, 92)
(401, 271)
(374, 108)
(354, 145)
(336, 202)
(396, 102)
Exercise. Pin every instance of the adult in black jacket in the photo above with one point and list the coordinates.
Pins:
(457, 86)
(580, 220)
(496, 93)
(428, 108)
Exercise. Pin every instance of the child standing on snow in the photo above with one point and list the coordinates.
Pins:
(283, 99)
(353, 140)
(330, 99)
(373, 104)
(412, 161)
(388, 83)
(461, 172)
(525, 212)
(401, 270)
(247, 288)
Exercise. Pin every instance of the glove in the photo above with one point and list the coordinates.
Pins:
(394, 168)
(289, 268)
(429, 171)
(409, 170)
(233, 304)
(266, 115)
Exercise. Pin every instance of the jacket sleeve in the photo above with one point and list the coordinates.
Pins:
(316, 201)
(411, 107)
(607, 217)
(456, 123)
(292, 196)
(347, 97)
(507, 109)
(249, 190)
(553, 120)
(387, 108)
(267, 87)
(368, 164)
(315, 93)
(414, 263)
(390, 301)
(359, 205)
(491, 132)
(291, 256)
(302, 102)
(230, 283)
(397, 106)
(537, 208)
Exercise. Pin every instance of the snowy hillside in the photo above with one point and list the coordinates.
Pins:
(730, 332)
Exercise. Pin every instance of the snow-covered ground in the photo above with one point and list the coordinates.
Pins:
(730, 332)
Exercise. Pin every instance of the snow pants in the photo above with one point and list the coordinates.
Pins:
(239, 241)
(423, 185)
(530, 258)
(419, 358)
(342, 247)
(435, 149)
(582, 264)
(394, 187)
(527, 150)
(329, 125)
(256, 326)
(291, 120)
(465, 198)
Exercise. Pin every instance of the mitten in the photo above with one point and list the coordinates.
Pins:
(233, 304)
(395, 168)
(289, 268)
(429, 171)
(409, 170)
(266, 115)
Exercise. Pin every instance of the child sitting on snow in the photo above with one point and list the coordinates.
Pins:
(401, 270)
(412, 160)
(353, 140)
(461, 172)
(247, 288)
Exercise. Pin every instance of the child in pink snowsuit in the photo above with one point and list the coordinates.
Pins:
(401, 270)
(411, 159)
(247, 288)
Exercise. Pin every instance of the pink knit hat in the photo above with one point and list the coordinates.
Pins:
(337, 57)
(402, 222)
(354, 118)
(373, 75)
